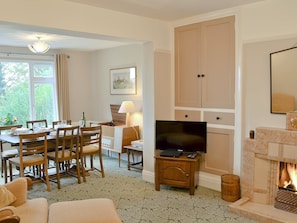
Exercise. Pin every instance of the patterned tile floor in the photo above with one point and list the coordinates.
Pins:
(137, 201)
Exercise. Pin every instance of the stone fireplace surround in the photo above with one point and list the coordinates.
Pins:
(259, 174)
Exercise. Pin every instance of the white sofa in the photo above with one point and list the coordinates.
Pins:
(29, 211)
(97, 210)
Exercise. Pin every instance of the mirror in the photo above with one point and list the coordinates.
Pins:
(283, 80)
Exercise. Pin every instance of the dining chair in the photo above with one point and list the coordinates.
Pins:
(7, 153)
(39, 123)
(67, 150)
(32, 153)
(91, 146)
(55, 123)
(94, 123)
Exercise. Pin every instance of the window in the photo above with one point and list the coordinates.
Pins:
(27, 90)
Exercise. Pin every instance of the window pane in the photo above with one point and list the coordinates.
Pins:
(14, 91)
(43, 70)
(44, 102)
(27, 91)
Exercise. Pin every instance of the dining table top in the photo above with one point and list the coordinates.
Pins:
(15, 139)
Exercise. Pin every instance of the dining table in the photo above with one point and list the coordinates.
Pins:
(14, 140)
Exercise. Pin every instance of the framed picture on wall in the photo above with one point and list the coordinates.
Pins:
(123, 80)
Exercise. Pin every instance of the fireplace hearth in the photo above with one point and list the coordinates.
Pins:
(262, 157)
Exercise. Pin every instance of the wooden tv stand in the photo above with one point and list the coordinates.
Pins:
(177, 172)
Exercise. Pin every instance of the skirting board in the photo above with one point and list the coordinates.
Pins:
(210, 181)
(205, 179)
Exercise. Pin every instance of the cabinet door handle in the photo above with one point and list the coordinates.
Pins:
(187, 175)
(218, 118)
(202, 75)
(198, 75)
(186, 116)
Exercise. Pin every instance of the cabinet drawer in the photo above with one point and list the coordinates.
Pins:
(220, 118)
(184, 115)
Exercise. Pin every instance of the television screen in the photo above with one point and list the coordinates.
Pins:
(187, 136)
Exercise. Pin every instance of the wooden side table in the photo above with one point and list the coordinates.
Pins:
(178, 172)
(130, 150)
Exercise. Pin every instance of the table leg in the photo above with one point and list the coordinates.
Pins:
(128, 154)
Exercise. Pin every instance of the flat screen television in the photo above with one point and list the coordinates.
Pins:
(185, 136)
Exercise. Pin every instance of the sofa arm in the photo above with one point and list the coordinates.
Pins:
(19, 188)
(7, 211)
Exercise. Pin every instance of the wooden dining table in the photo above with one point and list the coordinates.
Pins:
(15, 139)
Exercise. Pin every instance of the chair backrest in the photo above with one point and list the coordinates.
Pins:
(37, 123)
(67, 141)
(94, 123)
(8, 127)
(91, 135)
(33, 144)
(55, 123)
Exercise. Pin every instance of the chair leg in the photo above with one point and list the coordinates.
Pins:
(58, 174)
(91, 162)
(45, 172)
(83, 168)
(78, 170)
(4, 169)
(2, 164)
(101, 165)
(10, 171)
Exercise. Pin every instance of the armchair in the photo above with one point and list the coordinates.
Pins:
(116, 135)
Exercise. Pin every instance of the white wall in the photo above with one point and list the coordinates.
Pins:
(256, 75)
(101, 63)
(79, 64)
(265, 28)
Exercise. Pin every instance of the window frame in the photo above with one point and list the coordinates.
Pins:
(36, 60)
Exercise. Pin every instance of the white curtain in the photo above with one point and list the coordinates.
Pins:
(62, 86)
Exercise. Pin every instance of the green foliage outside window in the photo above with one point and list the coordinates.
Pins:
(16, 97)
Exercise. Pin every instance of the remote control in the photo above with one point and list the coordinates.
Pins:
(192, 156)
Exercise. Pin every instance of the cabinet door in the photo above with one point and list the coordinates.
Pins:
(218, 63)
(205, 64)
(187, 65)
(219, 157)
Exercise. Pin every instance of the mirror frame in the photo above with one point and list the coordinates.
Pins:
(272, 74)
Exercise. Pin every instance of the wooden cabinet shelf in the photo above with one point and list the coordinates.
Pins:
(177, 172)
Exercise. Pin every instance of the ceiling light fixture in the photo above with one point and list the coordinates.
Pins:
(39, 46)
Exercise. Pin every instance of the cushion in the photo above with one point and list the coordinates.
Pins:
(90, 210)
(6, 197)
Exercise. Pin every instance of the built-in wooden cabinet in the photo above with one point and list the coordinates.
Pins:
(205, 64)
(204, 86)
(220, 151)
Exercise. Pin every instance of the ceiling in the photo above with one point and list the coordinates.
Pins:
(168, 10)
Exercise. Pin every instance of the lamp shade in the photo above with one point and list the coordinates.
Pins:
(39, 47)
(127, 106)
